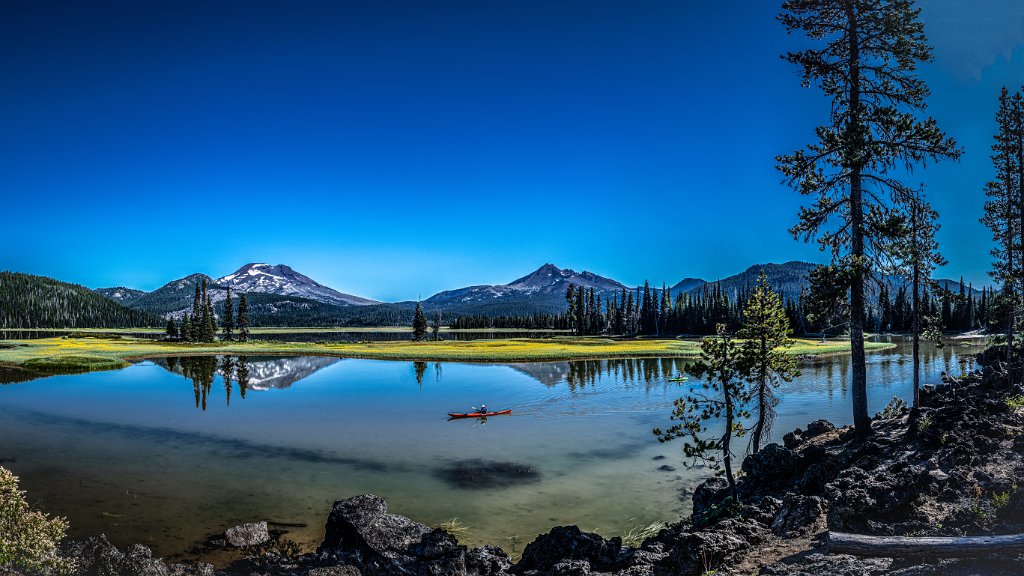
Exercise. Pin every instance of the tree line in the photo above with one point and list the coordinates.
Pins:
(201, 324)
(652, 312)
(28, 301)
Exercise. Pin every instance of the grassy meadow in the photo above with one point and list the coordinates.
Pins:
(65, 355)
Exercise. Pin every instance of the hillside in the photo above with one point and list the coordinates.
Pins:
(28, 301)
(788, 279)
(121, 294)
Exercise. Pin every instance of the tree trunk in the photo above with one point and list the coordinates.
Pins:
(931, 546)
(762, 401)
(1008, 287)
(858, 385)
(916, 262)
(1019, 141)
(727, 440)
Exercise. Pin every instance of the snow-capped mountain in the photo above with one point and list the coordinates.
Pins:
(284, 281)
(548, 282)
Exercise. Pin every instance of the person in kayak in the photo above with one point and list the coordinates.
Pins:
(483, 408)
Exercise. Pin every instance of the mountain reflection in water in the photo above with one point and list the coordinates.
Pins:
(247, 372)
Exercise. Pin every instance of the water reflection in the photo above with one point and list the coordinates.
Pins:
(248, 373)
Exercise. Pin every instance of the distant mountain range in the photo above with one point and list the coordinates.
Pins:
(281, 296)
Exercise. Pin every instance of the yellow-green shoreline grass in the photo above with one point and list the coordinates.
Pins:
(47, 356)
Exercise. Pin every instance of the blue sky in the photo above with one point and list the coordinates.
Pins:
(392, 149)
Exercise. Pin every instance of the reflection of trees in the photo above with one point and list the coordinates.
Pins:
(648, 371)
(227, 370)
(202, 371)
(242, 373)
(420, 368)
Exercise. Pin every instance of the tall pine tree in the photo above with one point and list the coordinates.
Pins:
(243, 323)
(867, 55)
(228, 322)
(1001, 215)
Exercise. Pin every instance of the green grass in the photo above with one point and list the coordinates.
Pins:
(294, 330)
(66, 355)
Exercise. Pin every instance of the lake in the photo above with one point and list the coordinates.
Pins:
(168, 452)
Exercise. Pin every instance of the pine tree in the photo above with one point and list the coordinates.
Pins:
(867, 67)
(197, 310)
(172, 329)
(1001, 215)
(228, 322)
(419, 324)
(186, 328)
(920, 257)
(243, 324)
(211, 320)
(570, 299)
(203, 318)
(719, 365)
(763, 356)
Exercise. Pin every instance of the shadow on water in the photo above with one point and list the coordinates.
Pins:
(476, 474)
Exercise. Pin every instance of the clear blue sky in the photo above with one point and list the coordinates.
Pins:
(391, 149)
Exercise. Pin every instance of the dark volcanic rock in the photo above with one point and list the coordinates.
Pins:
(701, 552)
(817, 428)
(570, 543)
(96, 556)
(797, 514)
(708, 499)
(773, 468)
(360, 532)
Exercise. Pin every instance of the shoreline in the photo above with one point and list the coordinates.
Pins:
(42, 357)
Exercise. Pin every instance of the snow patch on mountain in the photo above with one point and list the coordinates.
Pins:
(284, 281)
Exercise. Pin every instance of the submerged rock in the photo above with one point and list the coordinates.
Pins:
(478, 474)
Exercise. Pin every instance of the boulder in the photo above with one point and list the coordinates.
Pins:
(570, 543)
(817, 428)
(243, 535)
(360, 532)
(96, 556)
(708, 498)
(703, 552)
(772, 469)
(797, 514)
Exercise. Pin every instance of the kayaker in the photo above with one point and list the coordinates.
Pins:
(483, 408)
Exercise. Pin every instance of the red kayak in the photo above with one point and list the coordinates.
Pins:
(479, 414)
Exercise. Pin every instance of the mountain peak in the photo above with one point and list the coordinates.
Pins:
(282, 280)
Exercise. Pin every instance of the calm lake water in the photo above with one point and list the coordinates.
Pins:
(167, 452)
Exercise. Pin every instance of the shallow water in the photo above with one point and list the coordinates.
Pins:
(166, 453)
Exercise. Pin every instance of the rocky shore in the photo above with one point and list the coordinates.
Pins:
(954, 467)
